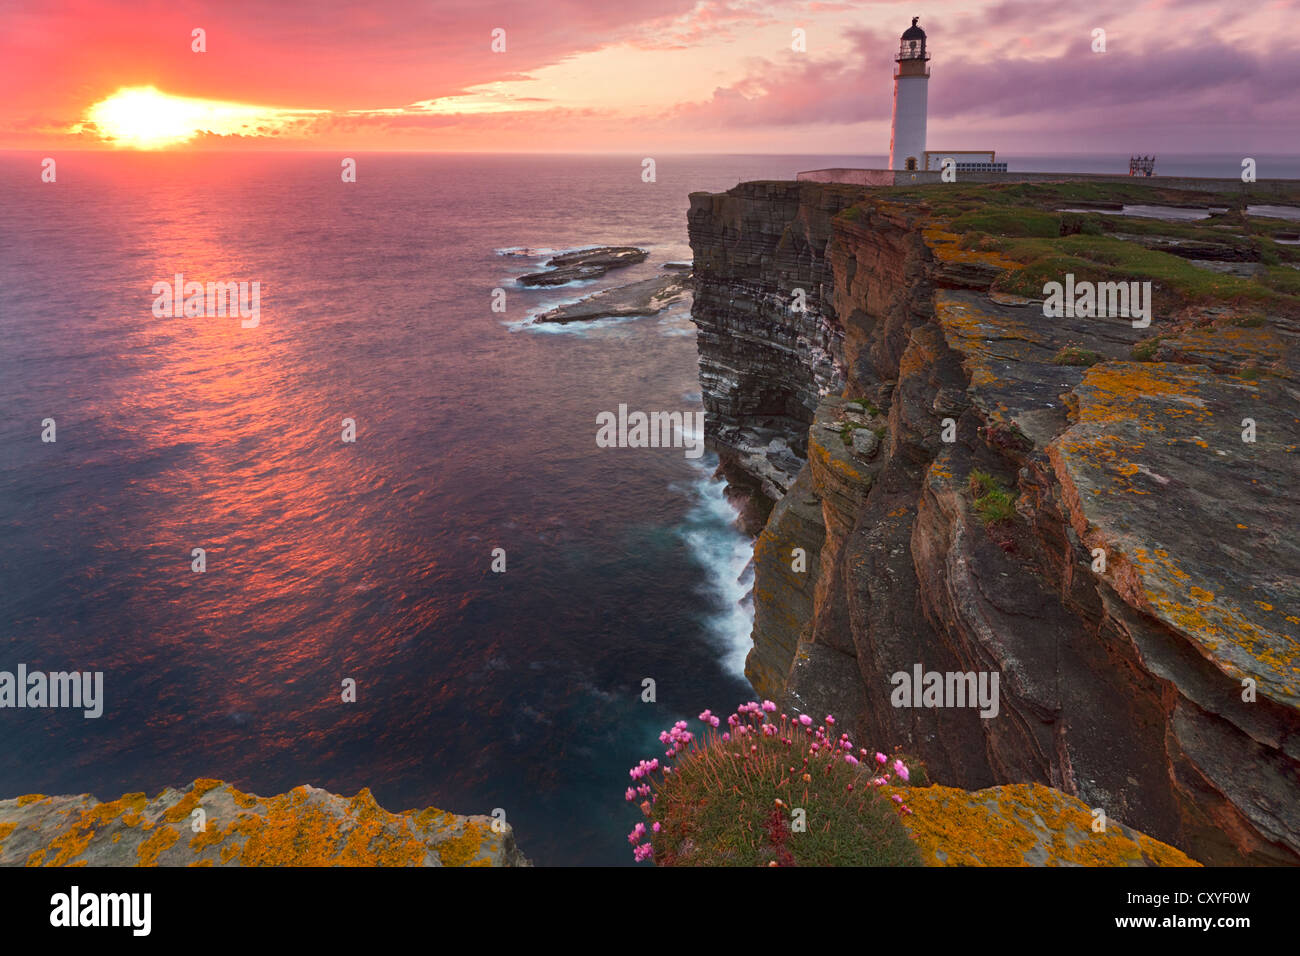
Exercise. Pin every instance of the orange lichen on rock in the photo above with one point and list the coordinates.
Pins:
(463, 850)
(161, 839)
(305, 827)
(1024, 825)
(74, 841)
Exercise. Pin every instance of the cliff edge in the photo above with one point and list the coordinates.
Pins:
(1097, 512)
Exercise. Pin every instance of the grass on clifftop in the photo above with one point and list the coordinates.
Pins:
(769, 793)
(1024, 222)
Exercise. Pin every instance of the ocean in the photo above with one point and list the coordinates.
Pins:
(367, 561)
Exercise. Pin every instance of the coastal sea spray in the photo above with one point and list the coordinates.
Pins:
(762, 789)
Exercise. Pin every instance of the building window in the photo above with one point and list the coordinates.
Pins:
(911, 162)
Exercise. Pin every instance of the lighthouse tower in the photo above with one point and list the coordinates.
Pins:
(907, 136)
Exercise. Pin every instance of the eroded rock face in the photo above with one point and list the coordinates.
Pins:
(305, 827)
(768, 347)
(1121, 686)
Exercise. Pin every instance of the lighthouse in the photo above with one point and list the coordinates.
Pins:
(907, 136)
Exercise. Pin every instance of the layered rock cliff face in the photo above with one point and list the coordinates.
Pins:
(305, 827)
(1141, 604)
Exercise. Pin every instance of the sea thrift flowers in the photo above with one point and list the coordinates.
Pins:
(756, 750)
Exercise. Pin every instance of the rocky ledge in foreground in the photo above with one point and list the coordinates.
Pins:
(305, 827)
(1024, 825)
(648, 297)
(584, 264)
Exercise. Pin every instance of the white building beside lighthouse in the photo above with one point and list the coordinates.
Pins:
(911, 79)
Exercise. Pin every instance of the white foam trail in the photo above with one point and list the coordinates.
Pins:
(726, 553)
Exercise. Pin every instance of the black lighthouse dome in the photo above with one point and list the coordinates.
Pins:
(913, 45)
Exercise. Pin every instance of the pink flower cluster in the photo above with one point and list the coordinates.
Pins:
(752, 719)
(678, 738)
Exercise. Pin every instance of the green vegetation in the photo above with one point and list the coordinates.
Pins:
(1283, 279)
(1008, 221)
(1176, 283)
(1075, 223)
(867, 406)
(1074, 355)
(1145, 351)
(994, 502)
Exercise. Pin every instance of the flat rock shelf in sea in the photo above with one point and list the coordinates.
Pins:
(584, 264)
(647, 297)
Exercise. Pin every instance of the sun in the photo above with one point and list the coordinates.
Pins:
(141, 117)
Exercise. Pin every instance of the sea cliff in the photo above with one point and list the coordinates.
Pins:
(1070, 503)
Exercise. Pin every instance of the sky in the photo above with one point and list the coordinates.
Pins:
(642, 76)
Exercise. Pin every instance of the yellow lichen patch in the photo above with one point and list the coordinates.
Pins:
(1023, 825)
(1165, 390)
(426, 817)
(183, 808)
(461, 850)
(5, 830)
(208, 836)
(163, 838)
(836, 464)
(945, 246)
(292, 833)
(29, 798)
(73, 841)
(1240, 346)
(206, 784)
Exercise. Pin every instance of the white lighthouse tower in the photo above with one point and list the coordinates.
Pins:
(907, 136)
